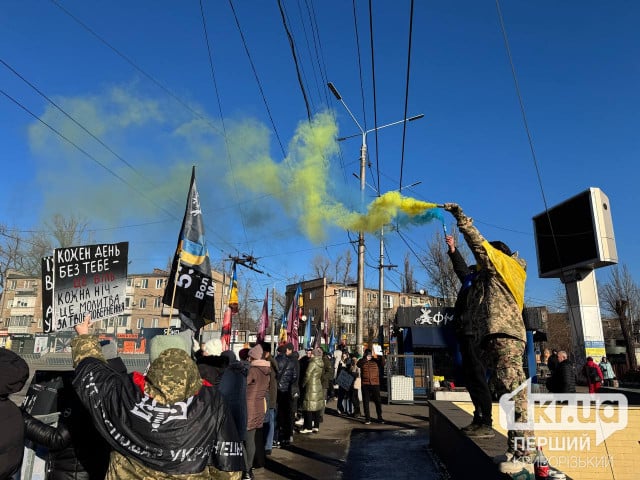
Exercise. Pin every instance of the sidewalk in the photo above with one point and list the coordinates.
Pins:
(323, 455)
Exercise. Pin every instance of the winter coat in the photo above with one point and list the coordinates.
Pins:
(273, 383)
(327, 373)
(257, 392)
(585, 372)
(162, 425)
(233, 387)
(87, 455)
(287, 372)
(563, 378)
(370, 370)
(14, 373)
(312, 383)
(496, 296)
(607, 370)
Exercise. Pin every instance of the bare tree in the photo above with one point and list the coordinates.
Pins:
(348, 261)
(408, 283)
(621, 296)
(443, 281)
(67, 231)
(320, 265)
(11, 253)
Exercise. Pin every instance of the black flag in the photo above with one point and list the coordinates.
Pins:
(190, 286)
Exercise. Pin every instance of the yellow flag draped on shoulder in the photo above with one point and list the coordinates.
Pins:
(510, 270)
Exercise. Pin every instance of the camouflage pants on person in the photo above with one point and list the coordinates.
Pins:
(505, 358)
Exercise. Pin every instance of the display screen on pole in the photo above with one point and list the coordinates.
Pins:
(576, 234)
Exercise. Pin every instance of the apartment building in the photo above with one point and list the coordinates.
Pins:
(325, 301)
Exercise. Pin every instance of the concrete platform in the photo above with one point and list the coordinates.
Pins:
(607, 448)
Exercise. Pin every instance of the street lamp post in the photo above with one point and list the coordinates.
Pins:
(363, 164)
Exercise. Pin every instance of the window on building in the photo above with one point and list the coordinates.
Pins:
(154, 323)
(13, 284)
(311, 312)
(143, 303)
(403, 301)
(20, 321)
(387, 301)
(129, 282)
(348, 293)
(159, 282)
(175, 322)
(127, 302)
(140, 324)
(144, 283)
(312, 294)
(122, 321)
(348, 310)
(157, 302)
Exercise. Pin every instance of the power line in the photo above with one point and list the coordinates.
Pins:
(61, 135)
(224, 128)
(406, 95)
(257, 78)
(294, 55)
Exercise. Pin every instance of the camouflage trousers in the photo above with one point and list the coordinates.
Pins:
(504, 356)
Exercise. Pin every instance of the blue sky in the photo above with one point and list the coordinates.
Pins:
(138, 77)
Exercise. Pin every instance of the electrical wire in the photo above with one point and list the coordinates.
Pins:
(87, 154)
(257, 78)
(224, 128)
(292, 46)
(406, 95)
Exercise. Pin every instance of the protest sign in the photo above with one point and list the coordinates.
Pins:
(89, 279)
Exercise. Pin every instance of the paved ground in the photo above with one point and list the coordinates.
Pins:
(347, 449)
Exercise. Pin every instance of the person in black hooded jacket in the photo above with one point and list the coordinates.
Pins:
(472, 365)
(14, 372)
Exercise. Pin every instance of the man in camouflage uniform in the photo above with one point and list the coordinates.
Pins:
(494, 302)
(166, 424)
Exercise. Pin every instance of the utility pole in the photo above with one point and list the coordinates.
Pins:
(363, 164)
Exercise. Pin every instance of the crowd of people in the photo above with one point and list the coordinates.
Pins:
(197, 412)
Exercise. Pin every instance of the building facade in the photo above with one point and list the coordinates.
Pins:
(335, 303)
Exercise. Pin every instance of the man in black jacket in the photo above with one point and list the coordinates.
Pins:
(472, 365)
(287, 376)
(563, 378)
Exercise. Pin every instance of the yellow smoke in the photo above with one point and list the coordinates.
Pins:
(302, 185)
(384, 209)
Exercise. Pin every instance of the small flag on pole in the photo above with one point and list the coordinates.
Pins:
(264, 319)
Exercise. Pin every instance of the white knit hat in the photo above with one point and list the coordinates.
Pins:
(213, 347)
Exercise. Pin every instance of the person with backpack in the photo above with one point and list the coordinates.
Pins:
(593, 374)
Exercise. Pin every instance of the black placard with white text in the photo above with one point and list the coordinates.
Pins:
(88, 279)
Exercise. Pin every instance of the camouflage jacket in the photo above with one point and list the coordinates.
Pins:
(162, 425)
(492, 302)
